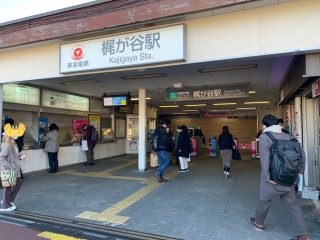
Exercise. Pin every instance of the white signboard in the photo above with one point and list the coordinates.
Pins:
(139, 48)
(64, 101)
(15, 93)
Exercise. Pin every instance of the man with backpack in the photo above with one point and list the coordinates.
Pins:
(160, 142)
(92, 136)
(279, 172)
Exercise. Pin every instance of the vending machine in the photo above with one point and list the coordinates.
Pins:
(212, 147)
(42, 129)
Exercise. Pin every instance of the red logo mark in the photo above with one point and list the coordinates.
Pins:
(77, 53)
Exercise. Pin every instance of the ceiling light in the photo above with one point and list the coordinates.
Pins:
(252, 92)
(190, 110)
(79, 82)
(136, 77)
(224, 104)
(253, 108)
(241, 67)
(179, 113)
(261, 102)
(224, 110)
(169, 106)
(196, 105)
(137, 99)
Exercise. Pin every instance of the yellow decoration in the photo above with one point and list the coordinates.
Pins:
(14, 131)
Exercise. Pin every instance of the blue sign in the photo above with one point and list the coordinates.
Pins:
(115, 101)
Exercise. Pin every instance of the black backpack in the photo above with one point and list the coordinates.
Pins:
(94, 135)
(286, 160)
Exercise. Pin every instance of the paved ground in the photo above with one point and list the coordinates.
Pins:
(201, 204)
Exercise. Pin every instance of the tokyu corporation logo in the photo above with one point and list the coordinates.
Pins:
(77, 53)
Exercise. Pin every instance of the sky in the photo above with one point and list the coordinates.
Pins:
(16, 9)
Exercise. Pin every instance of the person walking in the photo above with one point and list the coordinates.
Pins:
(91, 135)
(226, 144)
(10, 160)
(19, 141)
(162, 140)
(52, 147)
(269, 189)
(184, 148)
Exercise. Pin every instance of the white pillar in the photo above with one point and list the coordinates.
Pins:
(142, 155)
(1, 102)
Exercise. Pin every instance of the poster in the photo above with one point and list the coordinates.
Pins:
(120, 128)
(77, 129)
(95, 120)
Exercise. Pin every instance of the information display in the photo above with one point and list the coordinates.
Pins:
(15, 93)
(64, 101)
(112, 101)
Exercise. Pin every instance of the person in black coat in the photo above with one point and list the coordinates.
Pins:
(184, 148)
(226, 145)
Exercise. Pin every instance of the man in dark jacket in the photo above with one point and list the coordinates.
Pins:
(91, 144)
(163, 140)
(270, 189)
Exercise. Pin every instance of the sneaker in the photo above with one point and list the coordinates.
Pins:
(224, 172)
(157, 176)
(9, 209)
(12, 204)
(227, 174)
(181, 170)
(255, 225)
(187, 170)
(163, 180)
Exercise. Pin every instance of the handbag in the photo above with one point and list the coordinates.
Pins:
(84, 145)
(153, 160)
(235, 154)
(8, 178)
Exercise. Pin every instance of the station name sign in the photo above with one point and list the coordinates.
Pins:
(208, 92)
(140, 48)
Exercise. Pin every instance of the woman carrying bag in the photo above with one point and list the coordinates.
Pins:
(52, 147)
(10, 166)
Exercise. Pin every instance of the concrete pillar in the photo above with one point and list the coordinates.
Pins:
(142, 155)
(1, 102)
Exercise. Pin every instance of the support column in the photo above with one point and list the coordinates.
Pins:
(142, 155)
(1, 102)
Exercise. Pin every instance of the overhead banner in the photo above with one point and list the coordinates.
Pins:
(153, 46)
(208, 92)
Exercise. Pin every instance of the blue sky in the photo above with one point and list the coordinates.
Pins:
(16, 9)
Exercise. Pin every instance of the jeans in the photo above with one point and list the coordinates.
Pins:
(53, 161)
(163, 161)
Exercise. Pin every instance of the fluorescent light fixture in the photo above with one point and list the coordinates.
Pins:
(253, 108)
(137, 77)
(137, 99)
(259, 102)
(224, 110)
(241, 67)
(196, 105)
(179, 113)
(169, 106)
(79, 82)
(190, 110)
(252, 92)
(224, 104)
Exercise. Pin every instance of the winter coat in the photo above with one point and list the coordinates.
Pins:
(163, 138)
(9, 157)
(52, 141)
(87, 136)
(225, 141)
(184, 147)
